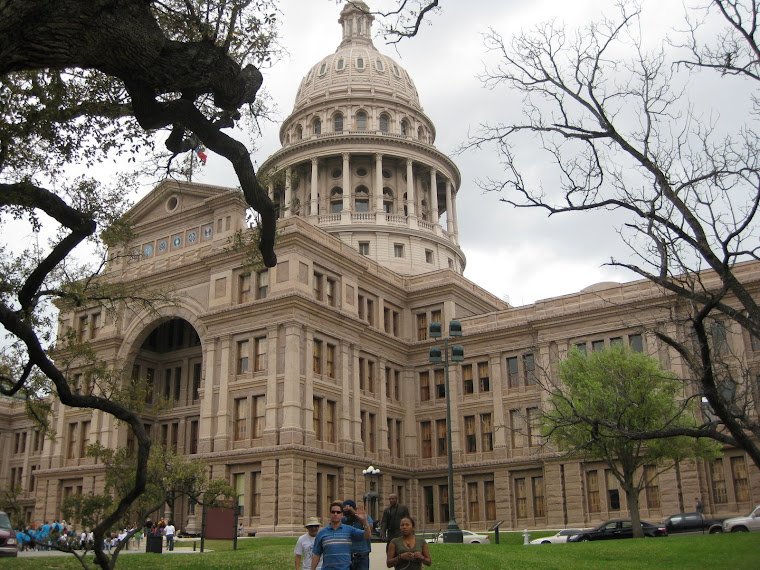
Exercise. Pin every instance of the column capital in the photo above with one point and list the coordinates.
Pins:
(315, 161)
(378, 156)
(346, 155)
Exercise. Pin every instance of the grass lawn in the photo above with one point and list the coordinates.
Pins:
(734, 551)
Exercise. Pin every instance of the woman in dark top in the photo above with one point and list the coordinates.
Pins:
(408, 552)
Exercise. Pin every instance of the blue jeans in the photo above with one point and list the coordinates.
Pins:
(170, 542)
(360, 561)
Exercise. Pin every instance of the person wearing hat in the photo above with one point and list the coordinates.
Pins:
(305, 545)
(360, 549)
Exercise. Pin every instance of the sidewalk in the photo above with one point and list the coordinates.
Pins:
(177, 550)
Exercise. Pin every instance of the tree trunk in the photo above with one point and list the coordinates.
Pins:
(632, 495)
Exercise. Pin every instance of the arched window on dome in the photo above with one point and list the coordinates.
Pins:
(339, 66)
(404, 127)
(379, 65)
(406, 210)
(317, 126)
(361, 199)
(336, 200)
(388, 200)
(322, 69)
(384, 120)
(299, 132)
(420, 134)
(338, 123)
(361, 121)
(424, 208)
(360, 63)
(287, 138)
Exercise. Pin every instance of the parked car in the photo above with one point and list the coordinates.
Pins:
(559, 538)
(692, 522)
(617, 528)
(743, 524)
(8, 542)
(468, 537)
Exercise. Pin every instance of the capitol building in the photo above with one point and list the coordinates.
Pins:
(289, 382)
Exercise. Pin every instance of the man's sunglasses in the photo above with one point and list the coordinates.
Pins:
(336, 512)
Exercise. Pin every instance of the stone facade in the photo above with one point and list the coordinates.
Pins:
(290, 381)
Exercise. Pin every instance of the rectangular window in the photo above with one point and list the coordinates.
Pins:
(467, 382)
(529, 366)
(330, 360)
(486, 426)
(521, 498)
(239, 485)
(440, 430)
(397, 385)
(428, 256)
(360, 308)
(399, 434)
(386, 319)
(370, 376)
(435, 316)
(84, 442)
(260, 354)
(473, 507)
(167, 383)
(196, 381)
(424, 386)
(398, 250)
(597, 345)
(652, 486)
(71, 453)
(470, 437)
(427, 442)
(718, 477)
(741, 481)
(581, 347)
(259, 416)
(534, 431)
(244, 286)
(443, 501)
(177, 382)
(317, 287)
(616, 341)
(440, 383)
(364, 248)
(372, 431)
(489, 491)
(513, 372)
(256, 493)
(483, 377)
(422, 326)
(515, 418)
(242, 356)
(388, 378)
(427, 501)
(241, 418)
(331, 421)
(262, 282)
(193, 437)
(317, 362)
(150, 379)
(389, 428)
(94, 325)
(636, 342)
(613, 492)
(317, 417)
(539, 502)
(592, 491)
(330, 292)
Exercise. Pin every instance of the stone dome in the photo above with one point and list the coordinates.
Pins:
(357, 65)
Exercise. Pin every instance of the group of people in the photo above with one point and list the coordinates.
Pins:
(162, 529)
(345, 544)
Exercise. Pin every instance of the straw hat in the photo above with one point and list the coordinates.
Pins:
(312, 521)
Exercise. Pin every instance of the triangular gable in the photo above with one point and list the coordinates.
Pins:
(156, 206)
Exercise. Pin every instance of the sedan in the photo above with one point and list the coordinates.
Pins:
(467, 538)
(8, 543)
(559, 538)
(618, 528)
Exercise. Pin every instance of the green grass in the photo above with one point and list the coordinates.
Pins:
(734, 551)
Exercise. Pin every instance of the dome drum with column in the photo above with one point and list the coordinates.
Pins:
(358, 159)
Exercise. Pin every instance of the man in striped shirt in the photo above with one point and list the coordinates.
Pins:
(333, 543)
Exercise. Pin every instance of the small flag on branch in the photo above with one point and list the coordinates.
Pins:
(201, 154)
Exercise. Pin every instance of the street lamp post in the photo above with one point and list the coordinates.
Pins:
(372, 499)
(452, 533)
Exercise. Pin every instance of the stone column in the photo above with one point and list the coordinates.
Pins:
(346, 182)
(449, 213)
(409, 187)
(291, 431)
(314, 210)
(270, 420)
(345, 437)
(205, 429)
(454, 216)
(379, 182)
(222, 436)
(270, 190)
(498, 381)
(382, 448)
(288, 193)
(308, 389)
(433, 196)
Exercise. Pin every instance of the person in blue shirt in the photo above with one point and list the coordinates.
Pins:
(333, 543)
(360, 549)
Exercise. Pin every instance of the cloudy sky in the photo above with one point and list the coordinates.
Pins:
(518, 255)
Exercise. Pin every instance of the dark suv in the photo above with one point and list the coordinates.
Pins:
(8, 542)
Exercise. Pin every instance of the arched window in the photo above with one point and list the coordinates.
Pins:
(361, 121)
(340, 64)
(322, 69)
(336, 200)
(299, 133)
(317, 126)
(379, 65)
(384, 123)
(404, 127)
(387, 200)
(338, 123)
(360, 63)
(361, 199)
(420, 134)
